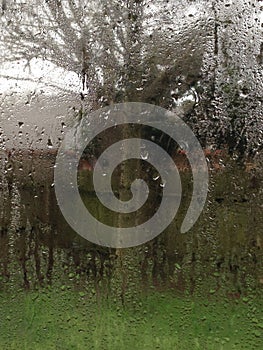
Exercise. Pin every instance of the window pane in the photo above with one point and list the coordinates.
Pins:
(200, 63)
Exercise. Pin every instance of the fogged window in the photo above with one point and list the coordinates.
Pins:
(61, 61)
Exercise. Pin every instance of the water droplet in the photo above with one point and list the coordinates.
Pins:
(145, 155)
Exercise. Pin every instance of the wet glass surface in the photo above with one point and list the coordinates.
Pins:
(60, 60)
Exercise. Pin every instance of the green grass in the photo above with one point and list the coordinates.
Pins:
(67, 319)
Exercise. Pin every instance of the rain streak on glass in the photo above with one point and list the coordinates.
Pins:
(201, 60)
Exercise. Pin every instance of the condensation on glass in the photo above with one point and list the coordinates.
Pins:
(202, 60)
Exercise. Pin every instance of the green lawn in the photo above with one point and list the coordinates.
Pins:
(66, 319)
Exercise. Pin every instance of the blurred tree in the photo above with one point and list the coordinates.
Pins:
(200, 58)
(121, 49)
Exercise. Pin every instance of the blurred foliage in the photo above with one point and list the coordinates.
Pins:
(200, 60)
